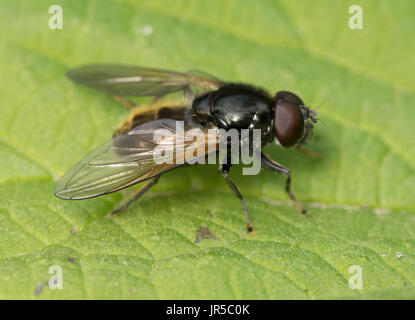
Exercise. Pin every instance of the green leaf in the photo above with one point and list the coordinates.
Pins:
(360, 193)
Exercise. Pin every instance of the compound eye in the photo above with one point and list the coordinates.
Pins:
(289, 123)
(289, 96)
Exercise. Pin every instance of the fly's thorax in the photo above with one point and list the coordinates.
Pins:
(237, 106)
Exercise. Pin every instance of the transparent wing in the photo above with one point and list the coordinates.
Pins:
(132, 81)
(126, 160)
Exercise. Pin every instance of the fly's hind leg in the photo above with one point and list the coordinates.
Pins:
(224, 170)
(275, 166)
(127, 103)
(137, 195)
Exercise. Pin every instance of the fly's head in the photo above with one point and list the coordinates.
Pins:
(293, 121)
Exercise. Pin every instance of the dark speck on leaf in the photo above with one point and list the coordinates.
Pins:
(204, 233)
(38, 289)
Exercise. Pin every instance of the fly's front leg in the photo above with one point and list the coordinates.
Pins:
(275, 166)
(137, 195)
(309, 153)
(224, 170)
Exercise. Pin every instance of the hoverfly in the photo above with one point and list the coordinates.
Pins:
(206, 103)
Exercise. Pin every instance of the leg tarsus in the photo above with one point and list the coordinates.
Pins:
(292, 197)
(137, 195)
(224, 170)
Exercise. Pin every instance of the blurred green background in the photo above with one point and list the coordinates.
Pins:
(360, 193)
